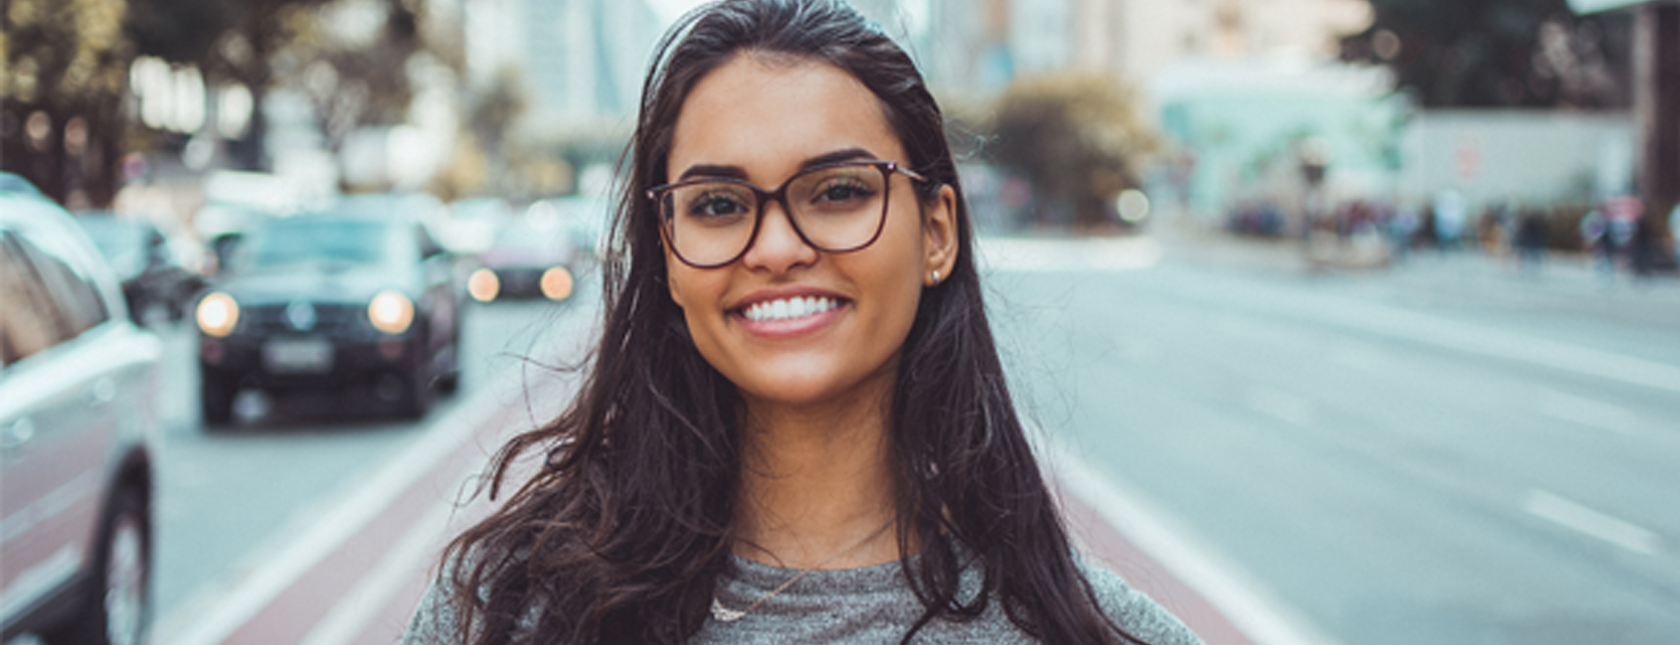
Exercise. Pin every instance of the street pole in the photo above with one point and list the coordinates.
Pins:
(1656, 68)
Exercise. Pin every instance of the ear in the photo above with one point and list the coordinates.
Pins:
(939, 237)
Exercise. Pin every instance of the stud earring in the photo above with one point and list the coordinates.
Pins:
(936, 277)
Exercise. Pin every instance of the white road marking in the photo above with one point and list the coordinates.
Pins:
(1281, 405)
(1250, 608)
(1585, 520)
(1588, 412)
(220, 610)
(1405, 324)
(1087, 254)
(1496, 344)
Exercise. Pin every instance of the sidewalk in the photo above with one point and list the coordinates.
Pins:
(1574, 278)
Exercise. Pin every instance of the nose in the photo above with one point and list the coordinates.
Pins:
(777, 246)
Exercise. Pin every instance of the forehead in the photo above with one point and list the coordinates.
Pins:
(767, 114)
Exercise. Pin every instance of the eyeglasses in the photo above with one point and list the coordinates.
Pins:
(712, 221)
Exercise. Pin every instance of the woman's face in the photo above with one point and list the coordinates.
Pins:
(763, 119)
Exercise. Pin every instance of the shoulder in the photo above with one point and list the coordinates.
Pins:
(1135, 611)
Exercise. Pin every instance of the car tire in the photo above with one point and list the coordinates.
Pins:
(216, 394)
(450, 380)
(418, 395)
(116, 605)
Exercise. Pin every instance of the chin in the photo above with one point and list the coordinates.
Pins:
(790, 392)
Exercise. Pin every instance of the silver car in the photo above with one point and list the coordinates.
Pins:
(77, 381)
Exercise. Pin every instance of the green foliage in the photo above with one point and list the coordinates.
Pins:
(65, 71)
(1492, 53)
(1077, 138)
(352, 83)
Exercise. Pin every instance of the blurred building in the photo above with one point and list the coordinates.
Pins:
(977, 46)
(581, 61)
(1281, 132)
(1240, 85)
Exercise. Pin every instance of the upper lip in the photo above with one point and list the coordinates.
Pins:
(782, 293)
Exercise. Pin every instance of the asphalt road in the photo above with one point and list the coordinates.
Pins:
(1447, 452)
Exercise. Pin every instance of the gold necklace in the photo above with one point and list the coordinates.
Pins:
(726, 615)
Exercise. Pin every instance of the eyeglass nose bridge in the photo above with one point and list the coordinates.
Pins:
(765, 198)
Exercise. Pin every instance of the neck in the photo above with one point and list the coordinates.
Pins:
(817, 487)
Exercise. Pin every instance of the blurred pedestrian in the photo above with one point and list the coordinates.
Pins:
(1402, 231)
(1674, 232)
(795, 427)
(1530, 238)
(1449, 221)
(1595, 237)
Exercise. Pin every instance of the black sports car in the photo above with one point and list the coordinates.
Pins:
(335, 300)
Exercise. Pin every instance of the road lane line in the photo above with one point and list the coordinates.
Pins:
(352, 613)
(1405, 324)
(1056, 255)
(1498, 344)
(1244, 602)
(1588, 412)
(1579, 518)
(194, 623)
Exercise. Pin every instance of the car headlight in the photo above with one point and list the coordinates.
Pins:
(557, 283)
(218, 313)
(483, 286)
(391, 312)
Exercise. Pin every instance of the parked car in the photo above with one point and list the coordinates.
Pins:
(77, 421)
(331, 301)
(524, 262)
(148, 269)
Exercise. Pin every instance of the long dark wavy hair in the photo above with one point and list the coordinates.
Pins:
(621, 535)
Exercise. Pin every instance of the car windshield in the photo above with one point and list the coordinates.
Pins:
(316, 240)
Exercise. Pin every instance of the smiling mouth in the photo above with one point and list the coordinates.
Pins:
(789, 308)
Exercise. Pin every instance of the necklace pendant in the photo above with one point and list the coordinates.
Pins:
(724, 614)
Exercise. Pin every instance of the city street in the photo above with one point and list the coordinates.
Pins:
(1448, 452)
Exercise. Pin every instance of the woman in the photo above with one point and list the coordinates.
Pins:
(796, 427)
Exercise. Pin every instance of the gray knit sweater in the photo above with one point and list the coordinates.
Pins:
(872, 605)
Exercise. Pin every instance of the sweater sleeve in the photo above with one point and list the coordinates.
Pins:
(434, 621)
(1136, 612)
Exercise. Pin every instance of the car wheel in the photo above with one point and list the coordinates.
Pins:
(418, 392)
(450, 380)
(116, 607)
(216, 398)
(418, 395)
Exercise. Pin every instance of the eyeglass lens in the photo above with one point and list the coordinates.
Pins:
(836, 208)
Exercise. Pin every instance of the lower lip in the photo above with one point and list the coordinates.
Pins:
(791, 326)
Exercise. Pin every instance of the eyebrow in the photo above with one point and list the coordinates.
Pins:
(736, 172)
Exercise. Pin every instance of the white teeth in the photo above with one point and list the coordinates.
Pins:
(798, 307)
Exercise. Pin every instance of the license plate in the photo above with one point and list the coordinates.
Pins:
(300, 355)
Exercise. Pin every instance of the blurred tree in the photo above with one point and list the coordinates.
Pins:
(348, 56)
(353, 77)
(62, 83)
(1491, 53)
(496, 109)
(227, 41)
(1077, 139)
